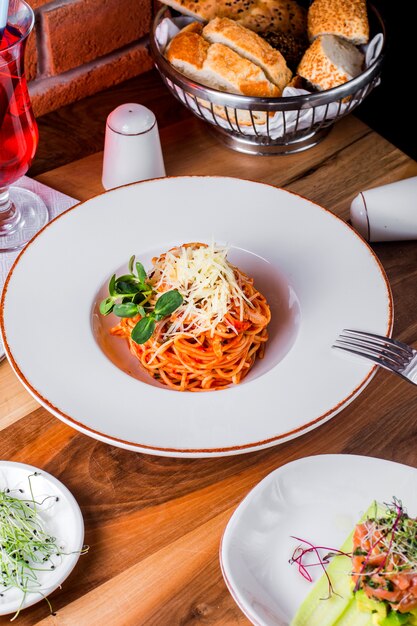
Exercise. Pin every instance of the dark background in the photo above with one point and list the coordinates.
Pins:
(391, 108)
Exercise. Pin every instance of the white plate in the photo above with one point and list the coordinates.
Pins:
(318, 275)
(62, 519)
(317, 498)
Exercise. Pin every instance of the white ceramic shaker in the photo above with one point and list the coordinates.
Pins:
(387, 213)
(132, 148)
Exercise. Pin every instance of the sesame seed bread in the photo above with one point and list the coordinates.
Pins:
(217, 66)
(292, 48)
(251, 46)
(258, 15)
(208, 9)
(275, 15)
(330, 62)
(345, 18)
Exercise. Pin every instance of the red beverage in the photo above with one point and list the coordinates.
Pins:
(22, 212)
(18, 129)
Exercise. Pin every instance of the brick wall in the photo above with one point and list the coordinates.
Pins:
(79, 47)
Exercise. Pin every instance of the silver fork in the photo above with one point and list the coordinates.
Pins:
(394, 355)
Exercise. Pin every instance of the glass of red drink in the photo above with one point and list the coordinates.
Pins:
(22, 213)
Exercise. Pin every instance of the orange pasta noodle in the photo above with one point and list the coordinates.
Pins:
(213, 339)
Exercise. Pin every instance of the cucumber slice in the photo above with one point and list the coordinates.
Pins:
(355, 617)
(317, 611)
(340, 609)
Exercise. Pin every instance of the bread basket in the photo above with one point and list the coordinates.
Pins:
(269, 125)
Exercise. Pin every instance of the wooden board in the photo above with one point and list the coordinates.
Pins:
(154, 524)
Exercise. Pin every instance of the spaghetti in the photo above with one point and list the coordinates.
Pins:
(214, 337)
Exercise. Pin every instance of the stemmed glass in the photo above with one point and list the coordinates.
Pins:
(22, 213)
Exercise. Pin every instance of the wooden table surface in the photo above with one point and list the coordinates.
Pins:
(154, 524)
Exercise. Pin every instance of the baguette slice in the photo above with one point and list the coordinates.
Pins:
(259, 15)
(217, 66)
(187, 51)
(345, 18)
(330, 62)
(239, 75)
(251, 46)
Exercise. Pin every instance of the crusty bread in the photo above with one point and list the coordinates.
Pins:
(251, 46)
(345, 18)
(330, 62)
(234, 117)
(193, 27)
(217, 66)
(208, 9)
(297, 82)
(277, 15)
(258, 15)
(238, 73)
(187, 52)
(291, 47)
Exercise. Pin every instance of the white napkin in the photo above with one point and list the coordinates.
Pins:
(56, 202)
(278, 126)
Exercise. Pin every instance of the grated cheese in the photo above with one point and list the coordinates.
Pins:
(207, 282)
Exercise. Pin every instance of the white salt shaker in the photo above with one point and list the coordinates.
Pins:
(132, 149)
(387, 213)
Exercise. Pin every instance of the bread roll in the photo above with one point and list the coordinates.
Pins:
(251, 46)
(330, 62)
(276, 15)
(291, 47)
(345, 18)
(259, 15)
(217, 66)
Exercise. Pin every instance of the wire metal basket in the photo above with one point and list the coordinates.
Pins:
(268, 125)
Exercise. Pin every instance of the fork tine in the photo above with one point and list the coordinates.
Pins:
(393, 342)
(377, 354)
(379, 347)
(370, 357)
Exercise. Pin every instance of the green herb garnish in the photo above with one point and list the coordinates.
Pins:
(130, 295)
(25, 546)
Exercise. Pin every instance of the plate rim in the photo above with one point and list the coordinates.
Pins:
(76, 509)
(194, 452)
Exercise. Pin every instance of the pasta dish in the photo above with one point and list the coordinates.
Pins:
(218, 326)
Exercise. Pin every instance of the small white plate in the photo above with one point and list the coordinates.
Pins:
(317, 274)
(62, 519)
(318, 498)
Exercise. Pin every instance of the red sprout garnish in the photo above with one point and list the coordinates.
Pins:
(299, 554)
(399, 511)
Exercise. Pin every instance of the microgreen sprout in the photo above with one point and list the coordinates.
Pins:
(301, 552)
(387, 547)
(26, 547)
(393, 537)
(131, 295)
